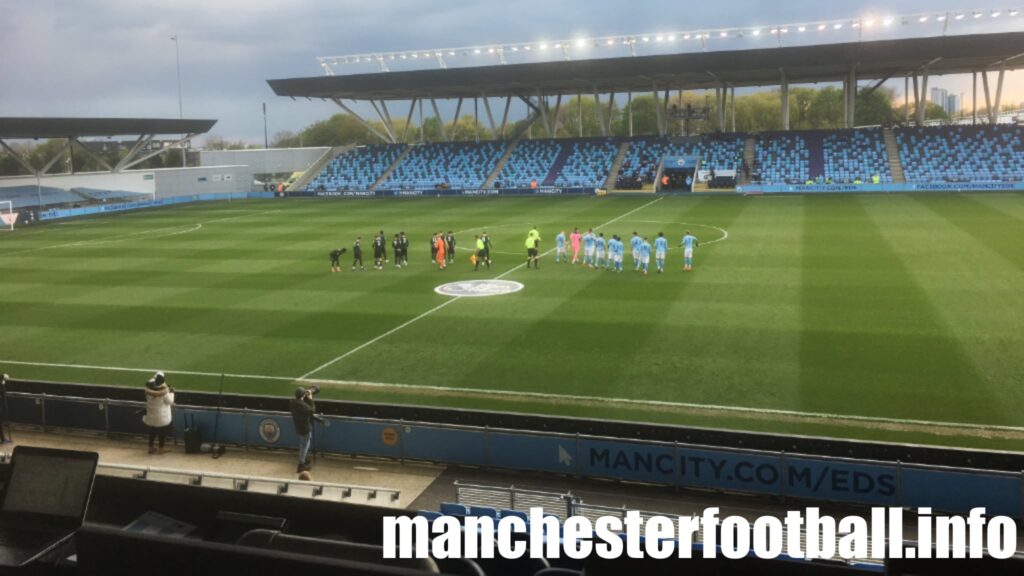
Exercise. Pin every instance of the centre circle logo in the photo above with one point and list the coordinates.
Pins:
(479, 288)
(270, 432)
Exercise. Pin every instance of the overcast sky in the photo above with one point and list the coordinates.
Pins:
(116, 57)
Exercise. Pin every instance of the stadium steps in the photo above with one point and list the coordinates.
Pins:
(613, 174)
(749, 156)
(489, 182)
(558, 165)
(893, 151)
(394, 165)
(318, 166)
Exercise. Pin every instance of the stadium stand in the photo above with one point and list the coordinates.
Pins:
(962, 153)
(357, 169)
(852, 155)
(105, 195)
(32, 197)
(530, 162)
(782, 158)
(450, 164)
(584, 163)
(934, 154)
(640, 165)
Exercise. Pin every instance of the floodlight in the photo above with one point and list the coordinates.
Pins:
(837, 26)
(801, 29)
(581, 43)
(996, 13)
(960, 16)
(821, 27)
(756, 32)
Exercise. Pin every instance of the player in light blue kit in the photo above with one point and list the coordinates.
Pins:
(560, 254)
(614, 252)
(620, 252)
(599, 258)
(645, 255)
(689, 244)
(660, 251)
(589, 248)
(635, 242)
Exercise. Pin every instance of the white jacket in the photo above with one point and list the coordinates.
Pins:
(158, 406)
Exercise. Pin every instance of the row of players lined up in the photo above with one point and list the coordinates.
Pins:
(599, 252)
(442, 251)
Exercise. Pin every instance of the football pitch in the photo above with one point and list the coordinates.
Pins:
(885, 317)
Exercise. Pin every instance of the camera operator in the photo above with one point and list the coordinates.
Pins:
(303, 414)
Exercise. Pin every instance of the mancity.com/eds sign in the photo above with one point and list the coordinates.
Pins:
(479, 288)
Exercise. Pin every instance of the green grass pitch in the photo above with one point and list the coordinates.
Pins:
(897, 317)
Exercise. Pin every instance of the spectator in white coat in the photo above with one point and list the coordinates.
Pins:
(159, 400)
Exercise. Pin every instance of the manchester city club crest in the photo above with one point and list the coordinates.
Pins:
(270, 430)
(479, 288)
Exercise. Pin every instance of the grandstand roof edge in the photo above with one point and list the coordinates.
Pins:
(42, 127)
(739, 68)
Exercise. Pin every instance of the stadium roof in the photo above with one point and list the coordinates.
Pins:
(23, 128)
(761, 67)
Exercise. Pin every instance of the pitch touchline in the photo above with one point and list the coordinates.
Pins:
(539, 396)
(446, 303)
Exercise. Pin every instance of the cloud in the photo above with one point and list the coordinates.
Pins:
(115, 57)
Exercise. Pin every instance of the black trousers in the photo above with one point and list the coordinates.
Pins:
(158, 432)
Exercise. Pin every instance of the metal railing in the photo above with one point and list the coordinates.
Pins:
(513, 498)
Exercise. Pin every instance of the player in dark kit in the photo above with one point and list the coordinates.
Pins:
(449, 245)
(384, 240)
(487, 248)
(405, 249)
(357, 253)
(335, 257)
(379, 252)
(396, 249)
(433, 248)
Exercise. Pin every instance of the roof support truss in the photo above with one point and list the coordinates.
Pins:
(360, 119)
(99, 160)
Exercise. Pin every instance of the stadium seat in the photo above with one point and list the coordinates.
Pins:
(451, 509)
(483, 511)
(430, 515)
(977, 154)
(506, 512)
(640, 164)
(357, 169)
(852, 155)
(782, 158)
(452, 164)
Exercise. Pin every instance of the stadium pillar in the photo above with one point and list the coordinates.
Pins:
(629, 105)
(579, 112)
(784, 94)
(999, 95)
(922, 104)
(408, 120)
(723, 109)
(906, 99)
(974, 99)
(732, 107)
(600, 116)
(657, 112)
(440, 120)
(851, 110)
(504, 117)
(490, 116)
(558, 114)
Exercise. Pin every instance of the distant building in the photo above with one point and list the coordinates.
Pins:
(939, 97)
(953, 104)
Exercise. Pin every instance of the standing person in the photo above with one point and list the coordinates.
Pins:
(660, 251)
(487, 248)
(442, 259)
(574, 240)
(689, 244)
(589, 248)
(303, 411)
(159, 399)
(635, 242)
(405, 249)
(645, 255)
(433, 249)
(599, 259)
(379, 252)
(357, 253)
(479, 255)
(384, 245)
(449, 246)
(336, 259)
(620, 248)
(533, 249)
(560, 255)
(5, 432)
(396, 249)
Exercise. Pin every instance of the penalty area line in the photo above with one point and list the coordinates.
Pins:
(824, 417)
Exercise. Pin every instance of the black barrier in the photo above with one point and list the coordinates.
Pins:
(878, 451)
